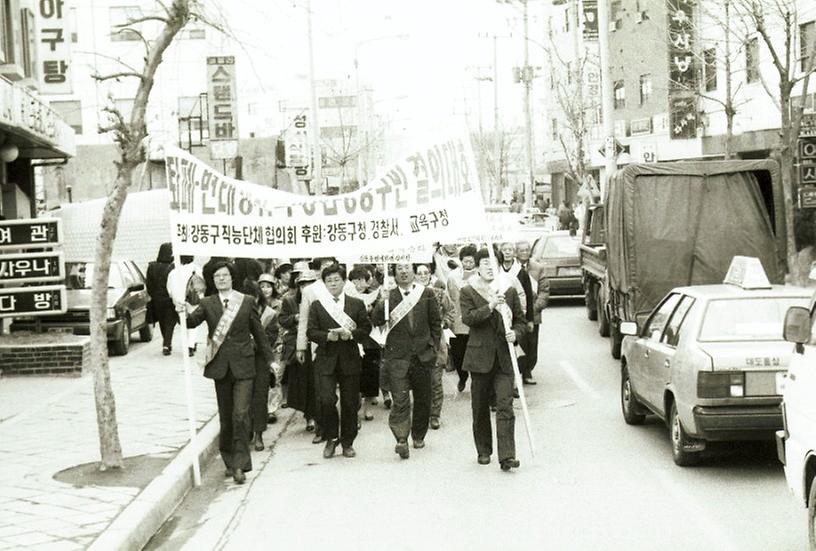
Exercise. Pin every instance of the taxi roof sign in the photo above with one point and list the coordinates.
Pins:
(747, 272)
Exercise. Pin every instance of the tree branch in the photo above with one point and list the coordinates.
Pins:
(133, 74)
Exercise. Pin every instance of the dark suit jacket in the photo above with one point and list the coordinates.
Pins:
(403, 342)
(487, 340)
(287, 320)
(237, 352)
(330, 353)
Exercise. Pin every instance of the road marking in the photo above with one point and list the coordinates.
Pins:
(579, 381)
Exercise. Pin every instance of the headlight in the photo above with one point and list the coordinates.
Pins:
(111, 313)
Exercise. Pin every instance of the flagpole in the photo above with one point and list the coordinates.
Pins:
(188, 381)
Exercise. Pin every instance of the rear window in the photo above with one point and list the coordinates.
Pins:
(558, 247)
(746, 319)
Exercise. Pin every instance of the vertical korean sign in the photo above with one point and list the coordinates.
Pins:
(682, 69)
(222, 107)
(297, 148)
(55, 56)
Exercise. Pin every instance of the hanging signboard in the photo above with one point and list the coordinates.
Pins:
(30, 233)
(680, 14)
(807, 197)
(590, 8)
(32, 301)
(55, 55)
(682, 117)
(32, 267)
(222, 105)
(298, 154)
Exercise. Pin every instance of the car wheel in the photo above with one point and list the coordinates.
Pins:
(812, 516)
(121, 346)
(615, 341)
(629, 403)
(146, 333)
(679, 440)
(603, 319)
(591, 301)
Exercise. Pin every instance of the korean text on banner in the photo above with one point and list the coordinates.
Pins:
(431, 194)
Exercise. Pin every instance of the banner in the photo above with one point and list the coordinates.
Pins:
(431, 194)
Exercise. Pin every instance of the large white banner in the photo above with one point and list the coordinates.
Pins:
(431, 194)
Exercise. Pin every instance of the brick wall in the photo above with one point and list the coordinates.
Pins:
(44, 355)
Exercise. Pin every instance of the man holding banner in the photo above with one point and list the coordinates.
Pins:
(414, 329)
(337, 324)
(495, 318)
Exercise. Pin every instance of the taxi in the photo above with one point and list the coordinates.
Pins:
(710, 360)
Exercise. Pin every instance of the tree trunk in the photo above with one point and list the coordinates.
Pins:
(786, 168)
(730, 112)
(109, 446)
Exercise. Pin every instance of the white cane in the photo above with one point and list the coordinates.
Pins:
(188, 384)
(516, 375)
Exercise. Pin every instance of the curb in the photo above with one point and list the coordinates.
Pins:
(140, 520)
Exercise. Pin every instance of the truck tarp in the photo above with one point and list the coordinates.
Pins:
(675, 224)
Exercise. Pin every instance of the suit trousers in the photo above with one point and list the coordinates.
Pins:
(260, 395)
(234, 399)
(168, 318)
(405, 377)
(482, 387)
(437, 391)
(329, 421)
(530, 346)
(458, 347)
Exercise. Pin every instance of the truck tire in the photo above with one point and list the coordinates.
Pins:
(615, 340)
(603, 319)
(591, 301)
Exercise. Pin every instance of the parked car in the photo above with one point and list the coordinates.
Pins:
(558, 252)
(126, 312)
(710, 361)
(796, 441)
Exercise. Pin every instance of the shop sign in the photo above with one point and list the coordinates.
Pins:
(807, 197)
(32, 267)
(639, 127)
(30, 233)
(682, 117)
(222, 103)
(55, 49)
(590, 8)
(298, 155)
(32, 301)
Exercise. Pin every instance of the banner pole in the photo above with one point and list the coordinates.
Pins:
(516, 374)
(188, 382)
(385, 285)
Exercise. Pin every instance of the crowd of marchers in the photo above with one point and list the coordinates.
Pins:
(306, 334)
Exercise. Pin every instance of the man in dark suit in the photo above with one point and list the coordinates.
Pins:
(337, 323)
(414, 330)
(234, 332)
(495, 319)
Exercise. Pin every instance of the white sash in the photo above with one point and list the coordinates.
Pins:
(367, 298)
(334, 310)
(401, 310)
(224, 325)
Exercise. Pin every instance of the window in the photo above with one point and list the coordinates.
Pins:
(806, 36)
(645, 88)
(710, 69)
(654, 327)
(6, 34)
(71, 113)
(554, 129)
(747, 320)
(120, 15)
(620, 94)
(29, 43)
(672, 334)
(752, 60)
(192, 120)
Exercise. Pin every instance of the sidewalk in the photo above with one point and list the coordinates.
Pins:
(48, 425)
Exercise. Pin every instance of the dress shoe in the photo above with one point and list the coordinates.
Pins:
(228, 472)
(419, 443)
(328, 451)
(460, 386)
(434, 423)
(271, 418)
(529, 381)
(483, 460)
(191, 352)
(310, 425)
(165, 350)
(318, 439)
(348, 451)
(258, 443)
(402, 449)
(510, 463)
(238, 476)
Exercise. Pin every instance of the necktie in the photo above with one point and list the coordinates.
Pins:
(226, 302)
(337, 299)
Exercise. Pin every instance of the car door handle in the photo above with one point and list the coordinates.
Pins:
(666, 363)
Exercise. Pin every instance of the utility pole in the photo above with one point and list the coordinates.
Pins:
(317, 155)
(496, 130)
(607, 96)
(527, 79)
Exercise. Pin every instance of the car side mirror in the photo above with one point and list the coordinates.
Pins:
(797, 326)
(629, 328)
(136, 287)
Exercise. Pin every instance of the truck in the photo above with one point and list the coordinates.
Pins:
(666, 225)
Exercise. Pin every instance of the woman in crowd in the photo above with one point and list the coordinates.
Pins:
(456, 280)
(283, 278)
(269, 291)
(161, 308)
(357, 286)
(263, 376)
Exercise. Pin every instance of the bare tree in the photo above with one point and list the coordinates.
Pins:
(495, 155)
(347, 147)
(777, 24)
(129, 136)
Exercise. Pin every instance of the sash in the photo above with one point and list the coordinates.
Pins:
(334, 310)
(267, 316)
(224, 325)
(401, 310)
(367, 298)
(485, 291)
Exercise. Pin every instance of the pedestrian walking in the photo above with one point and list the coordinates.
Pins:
(234, 334)
(515, 270)
(375, 283)
(495, 318)
(357, 287)
(540, 295)
(414, 329)
(457, 279)
(337, 325)
(426, 276)
(268, 289)
(161, 308)
(186, 284)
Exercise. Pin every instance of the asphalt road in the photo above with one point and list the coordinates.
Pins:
(595, 483)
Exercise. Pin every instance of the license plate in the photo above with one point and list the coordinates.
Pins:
(570, 271)
(781, 377)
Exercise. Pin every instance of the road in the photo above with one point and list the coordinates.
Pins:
(595, 483)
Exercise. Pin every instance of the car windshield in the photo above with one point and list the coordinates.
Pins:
(80, 276)
(746, 319)
(558, 246)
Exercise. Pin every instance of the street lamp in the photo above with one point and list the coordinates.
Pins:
(362, 169)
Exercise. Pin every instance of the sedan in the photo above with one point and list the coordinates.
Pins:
(126, 305)
(558, 252)
(710, 361)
